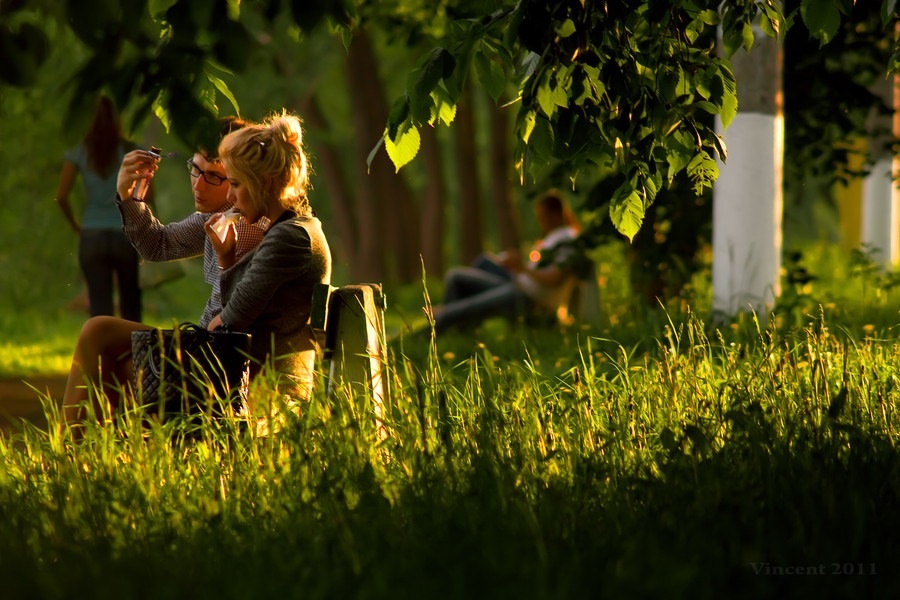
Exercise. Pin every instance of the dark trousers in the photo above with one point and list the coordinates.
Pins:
(101, 254)
(480, 291)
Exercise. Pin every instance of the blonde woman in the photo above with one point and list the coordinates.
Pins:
(268, 291)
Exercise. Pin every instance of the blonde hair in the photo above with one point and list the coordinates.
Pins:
(269, 159)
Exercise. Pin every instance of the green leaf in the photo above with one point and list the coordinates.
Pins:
(729, 103)
(709, 16)
(444, 107)
(422, 81)
(399, 113)
(565, 29)
(679, 152)
(822, 18)
(404, 148)
(731, 40)
(683, 87)
(888, 11)
(159, 109)
(438, 65)
(490, 75)
(708, 107)
(421, 107)
(702, 171)
(527, 125)
(702, 86)
(560, 95)
(222, 87)
(748, 38)
(626, 210)
(546, 97)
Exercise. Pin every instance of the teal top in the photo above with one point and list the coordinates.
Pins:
(100, 210)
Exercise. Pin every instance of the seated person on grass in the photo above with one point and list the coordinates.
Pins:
(503, 285)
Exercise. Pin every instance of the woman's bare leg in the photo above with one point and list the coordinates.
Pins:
(102, 357)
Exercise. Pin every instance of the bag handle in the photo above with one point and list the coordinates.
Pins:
(183, 326)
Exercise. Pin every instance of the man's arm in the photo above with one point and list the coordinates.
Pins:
(157, 242)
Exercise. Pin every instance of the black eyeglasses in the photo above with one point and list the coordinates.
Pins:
(210, 177)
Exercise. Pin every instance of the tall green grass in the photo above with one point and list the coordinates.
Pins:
(660, 455)
(695, 466)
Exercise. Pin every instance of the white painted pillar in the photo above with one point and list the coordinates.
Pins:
(880, 232)
(747, 197)
(881, 217)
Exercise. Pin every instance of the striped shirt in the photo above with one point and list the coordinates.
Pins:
(187, 238)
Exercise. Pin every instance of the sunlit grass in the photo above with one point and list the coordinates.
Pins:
(41, 341)
(657, 455)
(572, 470)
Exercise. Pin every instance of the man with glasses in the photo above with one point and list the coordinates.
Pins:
(187, 238)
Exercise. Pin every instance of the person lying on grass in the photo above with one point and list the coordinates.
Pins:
(106, 342)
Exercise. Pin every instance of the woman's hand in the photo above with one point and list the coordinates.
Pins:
(215, 323)
(225, 249)
(136, 165)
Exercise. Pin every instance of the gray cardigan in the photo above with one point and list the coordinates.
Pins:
(268, 293)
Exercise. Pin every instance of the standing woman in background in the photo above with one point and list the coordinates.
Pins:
(103, 249)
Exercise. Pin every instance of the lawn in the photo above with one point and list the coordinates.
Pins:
(658, 456)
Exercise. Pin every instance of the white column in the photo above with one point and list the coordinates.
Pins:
(880, 229)
(747, 215)
(747, 197)
(881, 218)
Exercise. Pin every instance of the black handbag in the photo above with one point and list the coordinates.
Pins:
(189, 370)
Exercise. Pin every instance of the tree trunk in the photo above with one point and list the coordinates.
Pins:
(501, 188)
(340, 197)
(365, 90)
(388, 215)
(432, 238)
(470, 221)
(403, 219)
(747, 203)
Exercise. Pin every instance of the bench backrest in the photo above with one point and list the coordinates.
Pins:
(349, 325)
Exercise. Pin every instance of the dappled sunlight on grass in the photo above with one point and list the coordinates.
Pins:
(696, 454)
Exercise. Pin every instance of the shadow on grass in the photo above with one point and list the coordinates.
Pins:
(761, 517)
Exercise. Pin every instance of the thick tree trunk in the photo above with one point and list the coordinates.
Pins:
(389, 219)
(432, 237)
(403, 226)
(365, 91)
(340, 198)
(328, 163)
(747, 204)
(501, 185)
(470, 220)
